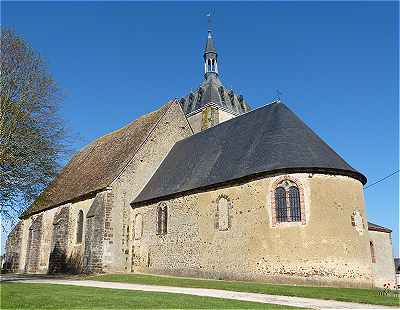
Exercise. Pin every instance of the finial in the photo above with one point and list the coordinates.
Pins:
(209, 23)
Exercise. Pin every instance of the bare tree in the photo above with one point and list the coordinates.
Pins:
(32, 135)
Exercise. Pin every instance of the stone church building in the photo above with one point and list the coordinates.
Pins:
(207, 187)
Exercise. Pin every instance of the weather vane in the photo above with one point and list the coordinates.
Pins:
(209, 21)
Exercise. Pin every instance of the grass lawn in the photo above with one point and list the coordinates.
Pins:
(370, 296)
(52, 296)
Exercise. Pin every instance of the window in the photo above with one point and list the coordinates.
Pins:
(372, 249)
(294, 198)
(287, 202)
(280, 203)
(222, 215)
(162, 220)
(79, 227)
(138, 225)
(127, 234)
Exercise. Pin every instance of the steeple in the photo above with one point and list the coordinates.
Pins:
(210, 54)
(211, 103)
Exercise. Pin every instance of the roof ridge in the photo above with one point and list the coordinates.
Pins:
(121, 128)
(98, 164)
(167, 106)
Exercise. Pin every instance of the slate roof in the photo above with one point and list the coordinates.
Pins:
(268, 140)
(94, 167)
(375, 227)
(210, 48)
(212, 92)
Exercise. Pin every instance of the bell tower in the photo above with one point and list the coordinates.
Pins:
(210, 54)
(212, 103)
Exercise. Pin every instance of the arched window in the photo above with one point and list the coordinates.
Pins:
(223, 213)
(287, 203)
(280, 204)
(294, 198)
(138, 226)
(372, 249)
(79, 227)
(209, 65)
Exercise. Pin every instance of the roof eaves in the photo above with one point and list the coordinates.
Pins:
(214, 105)
(92, 194)
(246, 178)
(375, 227)
(26, 214)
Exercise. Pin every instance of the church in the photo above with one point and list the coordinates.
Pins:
(207, 187)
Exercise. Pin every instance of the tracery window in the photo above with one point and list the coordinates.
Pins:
(287, 205)
(162, 220)
(79, 227)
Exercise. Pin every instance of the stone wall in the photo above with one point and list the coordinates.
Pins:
(60, 238)
(171, 128)
(382, 262)
(94, 235)
(195, 122)
(34, 244)
(208, 117)
(13, 249)
(324, 249)
(224, 116)
(47, 242)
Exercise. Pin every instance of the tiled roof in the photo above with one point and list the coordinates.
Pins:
(375, 227)
(94, 167)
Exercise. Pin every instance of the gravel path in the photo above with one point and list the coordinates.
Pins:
(262, 298)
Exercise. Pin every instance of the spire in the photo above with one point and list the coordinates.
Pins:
(210, 44)
(210, 54)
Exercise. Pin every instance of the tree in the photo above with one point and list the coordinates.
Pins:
(32, 135)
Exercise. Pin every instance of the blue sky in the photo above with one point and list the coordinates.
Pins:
(335, 63)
